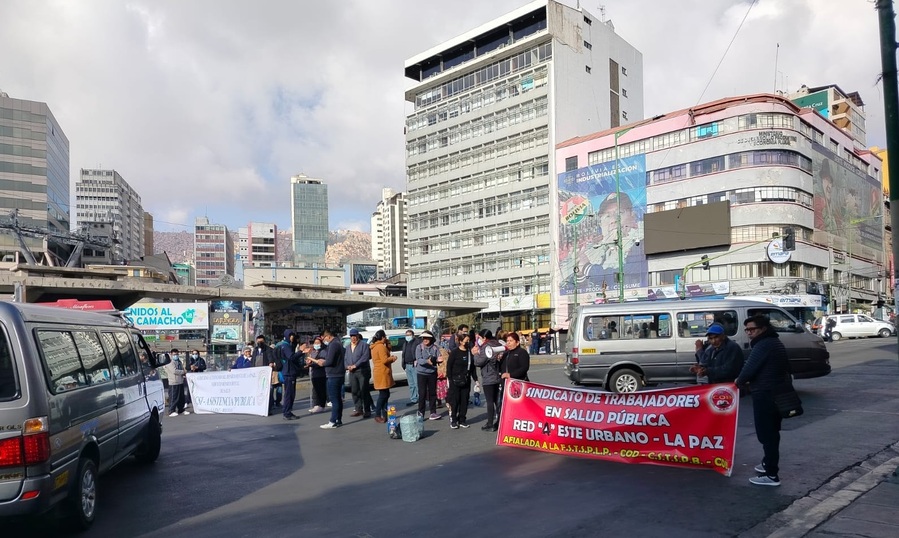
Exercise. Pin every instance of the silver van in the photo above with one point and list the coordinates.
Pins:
(78, 394)
(624, 346)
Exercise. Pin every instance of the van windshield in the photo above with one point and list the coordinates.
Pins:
(9, 387)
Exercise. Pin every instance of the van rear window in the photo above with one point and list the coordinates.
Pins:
(9, 386)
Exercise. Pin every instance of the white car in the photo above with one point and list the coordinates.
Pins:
(858, 326)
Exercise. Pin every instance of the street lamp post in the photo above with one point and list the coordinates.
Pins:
(534, 291)
(620, 242)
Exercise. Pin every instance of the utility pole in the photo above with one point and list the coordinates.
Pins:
(887, 19)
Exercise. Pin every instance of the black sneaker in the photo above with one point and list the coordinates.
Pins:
(487, 427)
(454, 426)
(464, 425)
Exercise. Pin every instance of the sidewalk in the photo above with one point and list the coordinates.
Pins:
(860, 501)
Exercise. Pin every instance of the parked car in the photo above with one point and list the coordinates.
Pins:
(859, 326)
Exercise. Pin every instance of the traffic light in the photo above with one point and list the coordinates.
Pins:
(705, 262)
(789, 239)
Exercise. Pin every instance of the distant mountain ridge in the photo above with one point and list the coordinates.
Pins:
(342, 245)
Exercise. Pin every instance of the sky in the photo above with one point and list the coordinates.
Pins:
(208, 107)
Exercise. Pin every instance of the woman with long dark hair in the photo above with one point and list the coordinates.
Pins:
(382, 373)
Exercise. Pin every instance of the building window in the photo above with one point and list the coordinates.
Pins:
(707, 166)
(587, 45)
(623, 92)
(587, 67)
(624, 70)
(587, 20)
(570, 163)
(624, 114)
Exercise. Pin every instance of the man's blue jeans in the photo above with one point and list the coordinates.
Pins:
(335, 386)
(412, 378)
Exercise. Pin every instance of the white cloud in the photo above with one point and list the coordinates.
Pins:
(208, 107)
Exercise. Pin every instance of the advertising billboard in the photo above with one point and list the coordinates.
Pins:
(169, 316)
(847, 201)
(588, 230)
(227, 326)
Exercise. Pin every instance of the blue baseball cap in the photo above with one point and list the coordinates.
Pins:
(714, 328)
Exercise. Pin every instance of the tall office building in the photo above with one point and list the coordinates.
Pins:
(389, 225)
(258, 246)
(489, 107)
(309, 218)
(213, 252)
(104, 197)
(34, 173)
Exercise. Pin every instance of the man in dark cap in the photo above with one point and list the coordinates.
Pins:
(721, 359)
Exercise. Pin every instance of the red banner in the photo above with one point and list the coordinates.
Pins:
(692, 426)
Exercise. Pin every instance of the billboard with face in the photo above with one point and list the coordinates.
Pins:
(846, 199)
(588, 229)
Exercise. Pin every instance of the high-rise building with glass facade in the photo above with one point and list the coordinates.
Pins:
(34, 175)
(309, 218)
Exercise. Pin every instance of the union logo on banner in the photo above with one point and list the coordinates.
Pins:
(691, 427)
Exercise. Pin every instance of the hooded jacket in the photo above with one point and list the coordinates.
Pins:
(291, 360)
(424, 356)
(767, 366)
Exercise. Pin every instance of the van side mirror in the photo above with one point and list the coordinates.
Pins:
(159, 359)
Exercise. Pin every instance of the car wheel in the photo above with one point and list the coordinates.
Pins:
(885, 333)
(624, 381)
(83, 498)
(834, 336)
(149, 449)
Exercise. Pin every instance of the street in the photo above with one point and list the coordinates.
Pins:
(231, 475)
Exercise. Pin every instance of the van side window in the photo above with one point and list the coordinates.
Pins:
(112, 351)
(92, 357)
(127, 354)
(695, 324)
(780, 320)
(8, 382)
(61, 360)
(396, 343)
(627, 327)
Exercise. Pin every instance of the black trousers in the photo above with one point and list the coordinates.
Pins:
(320, 390)
(290, 393)
(492, 395)
(458, 402)
(176, 398)
(767, 429)
(427, 393)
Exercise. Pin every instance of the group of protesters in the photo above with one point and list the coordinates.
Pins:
(439, 373)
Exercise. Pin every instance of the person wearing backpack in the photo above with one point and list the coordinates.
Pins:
(458, 368)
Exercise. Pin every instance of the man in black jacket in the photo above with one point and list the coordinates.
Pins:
(765, 370)
(292, 365)
(333, 362)
(264, 355)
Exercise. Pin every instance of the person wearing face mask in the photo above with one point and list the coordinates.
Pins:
(317, 375)
(175, 371)
(332, 360)
(409, 365)
(458, 372)
(490, 375)
(264, 355)
(195, 364)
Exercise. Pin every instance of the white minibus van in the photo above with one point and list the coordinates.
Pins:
(625, 346)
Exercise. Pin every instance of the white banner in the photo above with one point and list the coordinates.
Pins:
(245, 390)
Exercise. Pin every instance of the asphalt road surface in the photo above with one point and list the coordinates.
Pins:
(265, 477)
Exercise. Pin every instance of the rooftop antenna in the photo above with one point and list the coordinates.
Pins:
(776, 55)
(602, 12)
